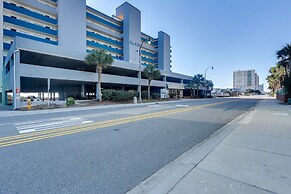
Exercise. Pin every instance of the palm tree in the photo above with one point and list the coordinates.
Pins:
(209, 84)
(101, 60)
(196, 82)
(284, 57)
(276, 77)
(279, 73)
(151, 72)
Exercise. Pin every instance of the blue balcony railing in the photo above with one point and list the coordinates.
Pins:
(105, 39)
(100, 46)
(105, 22)
(29, 13)
(13, 34)
(29, 25)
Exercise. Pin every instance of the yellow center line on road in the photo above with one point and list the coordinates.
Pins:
(25, 138)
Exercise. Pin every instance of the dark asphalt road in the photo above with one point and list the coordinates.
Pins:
(108, 160)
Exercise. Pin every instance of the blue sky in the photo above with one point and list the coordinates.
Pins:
(227, 34)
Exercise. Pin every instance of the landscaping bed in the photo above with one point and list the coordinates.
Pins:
(87, 103)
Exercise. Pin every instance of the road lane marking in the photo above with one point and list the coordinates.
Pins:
(85, 122)
(50, 124)
(181, 105)
(24, 138)
(280, 114)
(41, 120)
(27, 131)
(154, 105)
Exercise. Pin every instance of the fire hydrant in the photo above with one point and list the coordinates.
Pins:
(28, 104)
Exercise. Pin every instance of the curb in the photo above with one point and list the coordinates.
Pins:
(164, 180)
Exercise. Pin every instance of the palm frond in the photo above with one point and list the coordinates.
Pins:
(99, 58)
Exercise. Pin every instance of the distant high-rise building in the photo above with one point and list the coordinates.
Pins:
(261, 87)
(245, 79)
(257, 80)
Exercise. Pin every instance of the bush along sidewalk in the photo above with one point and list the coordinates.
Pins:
(70, 101)
(121, 95)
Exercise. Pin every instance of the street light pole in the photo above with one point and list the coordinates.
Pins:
(14, 79)
(206, 79)
(139, 68)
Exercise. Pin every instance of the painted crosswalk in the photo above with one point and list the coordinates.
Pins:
(42, 125)
(182, 105)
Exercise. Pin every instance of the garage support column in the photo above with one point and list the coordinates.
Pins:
(139, 87)
(165, 81)
(181, 91)
(48, 91)
(4, 97)
(16, 81)
(83, 90)
(96, 92)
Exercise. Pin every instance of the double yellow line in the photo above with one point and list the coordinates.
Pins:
(36, 136)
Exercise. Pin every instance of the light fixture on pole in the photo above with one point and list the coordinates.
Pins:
(139, 72)
(205, 90)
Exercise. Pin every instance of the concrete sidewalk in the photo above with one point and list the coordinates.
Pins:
(252, 154)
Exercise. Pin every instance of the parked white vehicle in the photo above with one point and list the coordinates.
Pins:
(220, 93)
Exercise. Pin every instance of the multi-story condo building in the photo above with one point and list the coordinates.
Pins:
(45, 43)
(261, 87)
(245, 79)
(257, 80)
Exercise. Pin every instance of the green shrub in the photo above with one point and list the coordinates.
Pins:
(144, 94)
(155, 96)
(172, 95)
(133, 93)
(107, 94)
(120, 95)
(70, 101)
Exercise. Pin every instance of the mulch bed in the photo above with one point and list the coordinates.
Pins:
(87, 103)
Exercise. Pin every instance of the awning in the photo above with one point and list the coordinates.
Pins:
(176, 86)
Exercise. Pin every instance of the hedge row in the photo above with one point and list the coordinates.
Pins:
(120, 95)
(144, 95)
